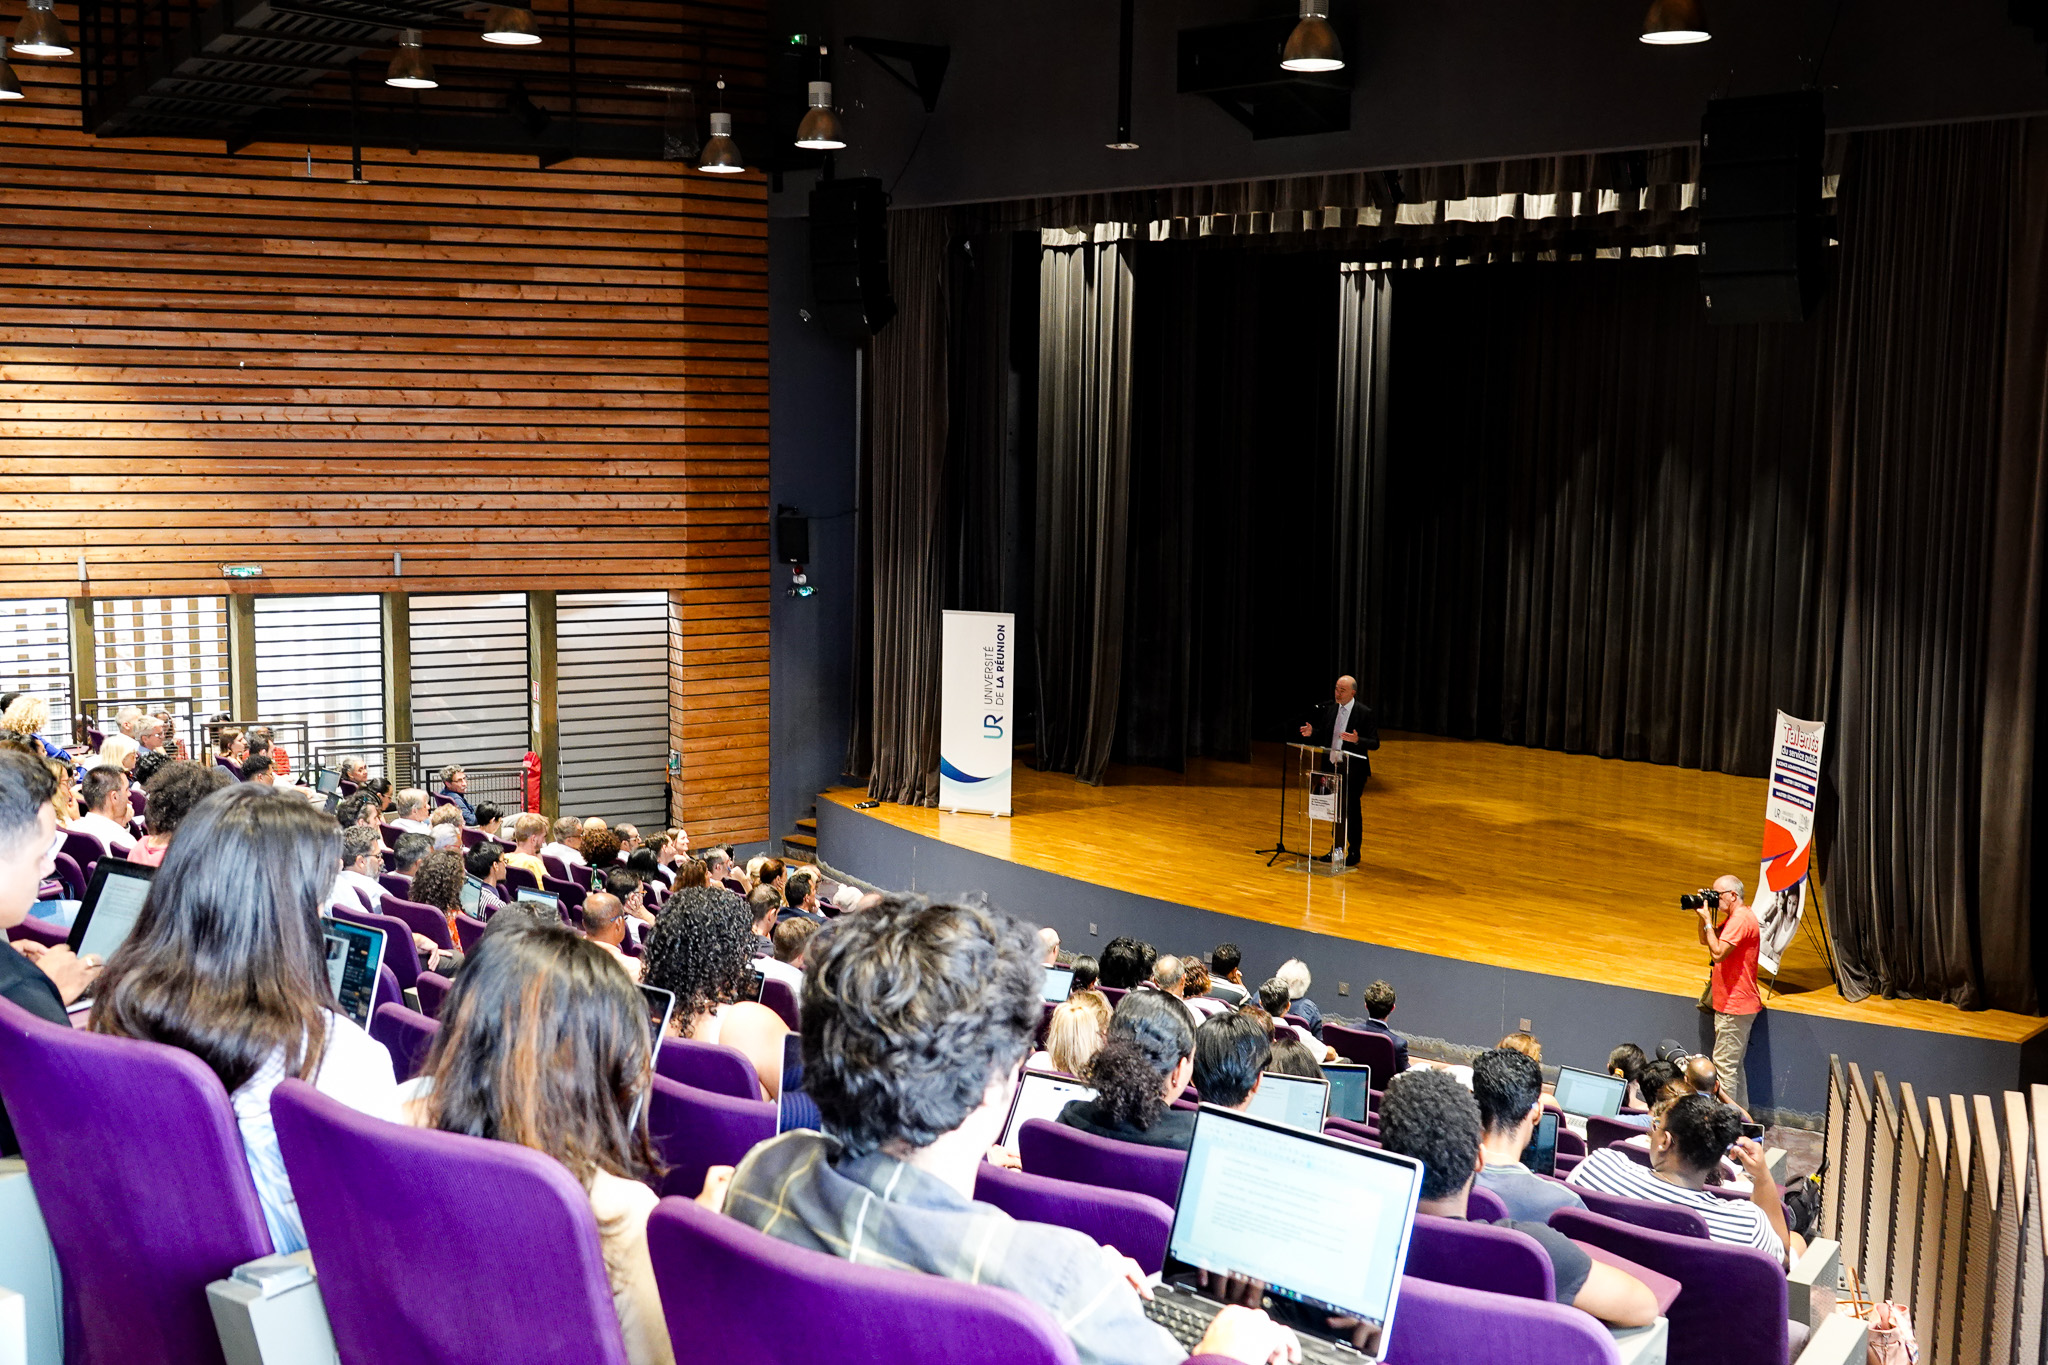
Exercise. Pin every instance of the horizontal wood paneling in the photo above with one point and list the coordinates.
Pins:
(516, 379)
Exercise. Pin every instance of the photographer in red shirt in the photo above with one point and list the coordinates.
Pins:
(1729, 931)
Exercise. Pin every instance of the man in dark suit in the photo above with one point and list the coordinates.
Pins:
(1345, 726)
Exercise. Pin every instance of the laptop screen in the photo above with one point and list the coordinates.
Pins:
(1321, 1222)
(472, 893)
(1059, 984)
(111, 906)
(547, 898)
(1041, 1095)
(1585, 1093)
(1350, 1090)
(1296, 1101)
(354, 953)
(326, 780)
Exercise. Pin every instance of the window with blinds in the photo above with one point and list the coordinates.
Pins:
(35, 656)
(158, 649)
(320, 660)
(612, 706)
(471, 687)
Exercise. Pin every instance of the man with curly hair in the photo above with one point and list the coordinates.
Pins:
(916, 1018)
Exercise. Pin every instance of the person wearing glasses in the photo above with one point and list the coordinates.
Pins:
(1729, 932)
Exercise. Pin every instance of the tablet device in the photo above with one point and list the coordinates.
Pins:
(1350, 1090)
(1540, 1156)
(354, 953)
(112, 903)
(661, 1006)
(1059, 984)
(1041, 1095)
(333, 802)
(472, 893)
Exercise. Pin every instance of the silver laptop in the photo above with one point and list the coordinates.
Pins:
(1321, 1223)
(1041, 1095)
(1297, 1101)
(1587, 1093)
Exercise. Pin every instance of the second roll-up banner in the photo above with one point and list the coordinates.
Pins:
(976, 654)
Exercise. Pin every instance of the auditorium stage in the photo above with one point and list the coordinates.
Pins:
(1497, 883)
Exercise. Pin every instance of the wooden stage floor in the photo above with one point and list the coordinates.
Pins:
(1562, 864)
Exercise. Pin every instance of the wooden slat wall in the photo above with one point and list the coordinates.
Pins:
(517, 378)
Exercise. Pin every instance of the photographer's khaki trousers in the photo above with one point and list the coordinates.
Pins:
(1731, 1041)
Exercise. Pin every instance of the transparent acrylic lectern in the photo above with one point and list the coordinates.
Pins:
(1311, 794)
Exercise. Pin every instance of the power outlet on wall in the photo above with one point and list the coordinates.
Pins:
(1093, 930)
(1527, 1027)
(1343, 988)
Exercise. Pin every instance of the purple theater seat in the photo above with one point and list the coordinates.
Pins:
(84, 850)
(142, 1180)
(1135, 1224)
(423, 919)
(730, 1291)
(1063, 1153)
(138, 801)
(412, 1262)
(1114, 994)
(473, 837)
(1375, 1050)
(1355, 1132)
(39, 931)
(396, 883)
(1484, 1206)
(1732, 1304)
(347, 788)
(708, 1066)
(70, 875)
(517, 877)
(390, 834)
(468, 929)
(1606, 1132)
(1440, 1324)
(778, 996)
(400, 953)
(1044, 1024)
(557, 867)
(406, 1035)
(694, 1130)
(1570, 1143)
(572, 894)
(1476, 1256)
(1645, 1213)
(433, 989)
(1663, 1288)
(387, 990)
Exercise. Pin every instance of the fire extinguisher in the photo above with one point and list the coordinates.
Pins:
(530, 768)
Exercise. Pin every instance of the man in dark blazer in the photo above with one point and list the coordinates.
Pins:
(1345, 725)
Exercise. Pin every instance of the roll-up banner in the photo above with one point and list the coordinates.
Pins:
(974, 711)
(1788, 834)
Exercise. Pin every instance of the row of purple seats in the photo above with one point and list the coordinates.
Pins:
(1375, 1050)
(780, 996)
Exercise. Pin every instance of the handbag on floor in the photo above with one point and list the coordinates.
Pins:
(1891, 1328)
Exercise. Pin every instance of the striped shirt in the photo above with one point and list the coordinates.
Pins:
(1739, 1223)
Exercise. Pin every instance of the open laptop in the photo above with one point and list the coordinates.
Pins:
(1350, 1090)
(548, 898)
(354, 953)
(326, 780)
(1587, 1093)
(1041, 1095)
(1059, 984)
(1297, 1101)
(1321, 1223)
(112, 904)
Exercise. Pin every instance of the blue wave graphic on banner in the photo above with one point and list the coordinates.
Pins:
(946, 769)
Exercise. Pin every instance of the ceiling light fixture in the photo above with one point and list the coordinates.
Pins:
(1671, 22)
(410, 69)
(820, 130)
(721, 154)
(41, 33)
(10, 84)
(1313, 45)
(511, 26)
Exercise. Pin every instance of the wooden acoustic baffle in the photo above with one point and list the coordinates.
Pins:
(1981, 1265)
(1908, 1191)
(2021, 1252)
(1854, 1172)
(1955, 1234)
(1833, 1139)
(2033, 1299)
(1934, 1225)
(1883, 1197)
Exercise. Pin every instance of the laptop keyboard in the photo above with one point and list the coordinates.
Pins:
(1186, 1317)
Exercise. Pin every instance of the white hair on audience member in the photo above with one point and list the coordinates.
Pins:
(1295, 973)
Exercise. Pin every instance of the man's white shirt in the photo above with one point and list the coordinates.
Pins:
(1343, 724)
(776, 970)
(562, 851)
(350, 882)
(111, 836)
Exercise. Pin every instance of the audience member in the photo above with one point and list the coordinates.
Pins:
(1378, 999)
(624, 883)
(568, 842)
(485, 865)
(445, 828)
(1142, 1066)
(1687, 1140)
(379, 789)
(152, 754)
(600, 848)
(489, 819)
(1292, 1057)
(438, 883)
(40, 980)
(230, 748)
(126, 720)
(227, 961)
(1087, 972)
(29, 715)
(690, 872)
(1702, 1077)
(1231, 1054)
(1626, 1062)
(1126, 962)
(792, 939)
(604, 923)
(411, 849)
(915, 1017)
(1049, 946)
(1256, 1012)
(1273, 997)
(257, 768)
(800, 896)
(1528, 1044)
(768, 872)
(177, 787)
(531, 1000)
(357, 887)
(529, 831)
(1166, 975)
(594, 823)
(355, 771)
(104, 796)
(702, 950)
(1226, 980)
(1508, 1087)
(1428, 1115)
(116, 751)
(670, 855)
(455, 792)
(763, 909)
(1079, 1024)
(411, 806)
(360, 809)
(1194, 979)
(1295, 973)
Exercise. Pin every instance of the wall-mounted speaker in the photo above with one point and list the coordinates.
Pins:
(792, 536)
(1762, 255)
(850, 294)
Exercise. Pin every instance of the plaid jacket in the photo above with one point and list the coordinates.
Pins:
(875, 1210)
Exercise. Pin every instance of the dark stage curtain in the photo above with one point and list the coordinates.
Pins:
(905, 507)
(1604, 517)
(1934, 570)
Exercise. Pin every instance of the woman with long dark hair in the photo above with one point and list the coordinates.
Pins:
(1137, 1073)
(227, 961)
(543, 1042)
(702, 948)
